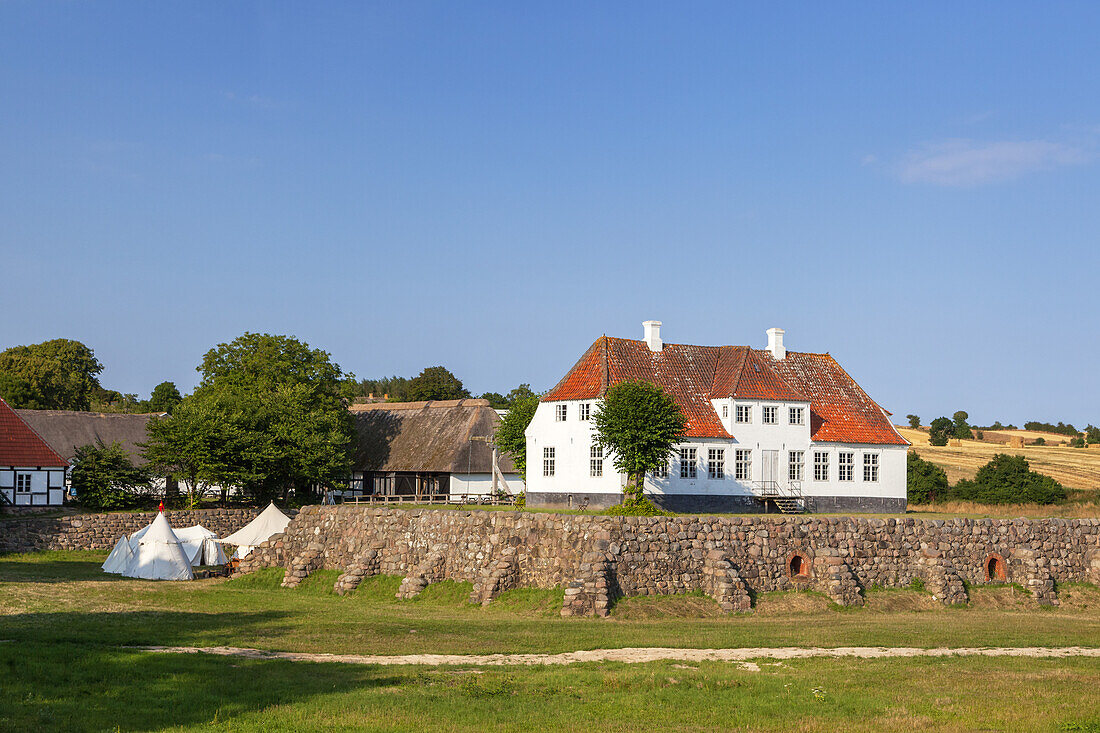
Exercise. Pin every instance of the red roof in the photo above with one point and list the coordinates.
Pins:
(840, 411)
(20, 445)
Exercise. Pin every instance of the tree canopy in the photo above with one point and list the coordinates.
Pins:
(104, 477)
(914, 421)
(436, 383)
(638, 423)
(510, 436)
(269, 415)
(961, 428)
(940, 430)
(165, 397)
(54, 375)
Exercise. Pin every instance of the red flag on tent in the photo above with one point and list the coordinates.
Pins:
(161, 507)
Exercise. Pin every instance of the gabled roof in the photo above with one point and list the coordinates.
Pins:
(427, 436)
(840, 411)
(20, 445)
(67, 430)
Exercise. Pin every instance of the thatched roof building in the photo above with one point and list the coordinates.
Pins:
(67, 430)
(405, 446)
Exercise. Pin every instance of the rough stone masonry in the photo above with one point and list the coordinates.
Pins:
(598, 558)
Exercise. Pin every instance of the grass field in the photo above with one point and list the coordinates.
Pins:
(1074, 468)
(65, 628)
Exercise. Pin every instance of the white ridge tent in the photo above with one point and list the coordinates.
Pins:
(159, 554)
(201, 546)
(119, 558)
(270, 522)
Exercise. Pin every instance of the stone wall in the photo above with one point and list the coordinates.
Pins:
(101, 531)
(597, 558)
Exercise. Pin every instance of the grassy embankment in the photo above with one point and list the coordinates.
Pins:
(64, 629)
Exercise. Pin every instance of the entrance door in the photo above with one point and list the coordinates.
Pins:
(770, 467)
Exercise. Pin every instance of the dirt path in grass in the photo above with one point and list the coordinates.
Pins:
(638, 655)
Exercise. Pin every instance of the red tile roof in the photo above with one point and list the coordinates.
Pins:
(20, 445)
(840, 411)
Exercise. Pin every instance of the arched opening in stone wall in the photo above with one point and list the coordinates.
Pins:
(995, 571)
(798, 566)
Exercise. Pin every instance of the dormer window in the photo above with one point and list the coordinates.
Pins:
(796, 415)
(769, 414)
(743, 413)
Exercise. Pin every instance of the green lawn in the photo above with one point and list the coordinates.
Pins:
(64, 626)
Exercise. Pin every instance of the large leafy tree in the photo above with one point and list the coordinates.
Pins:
(436, 383)
(638, 423)
(914, 421)
(1009, 480)
(961, 426)
(54, 375)
(193, 446)
(272, 415)
(104, 477)
(510, 436)
(940, 430)
(165, 397)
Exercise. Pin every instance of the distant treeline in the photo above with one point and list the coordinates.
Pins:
(1045, 427)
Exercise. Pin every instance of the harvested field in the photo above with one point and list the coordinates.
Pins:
(1074, 468)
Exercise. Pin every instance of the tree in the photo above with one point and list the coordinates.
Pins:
(926, 482)
(638, 423)
(395, 389)
(939, 431)
(914, 421)
(962, 428)
(1092, 434)
(104, 477)
(53, 375)
(165, 397)
(277, 411)
(436, 383)
(1077, 442)
(510, 435)
(1009, 480)
(521, 392)
(496, 400)
(192, 446)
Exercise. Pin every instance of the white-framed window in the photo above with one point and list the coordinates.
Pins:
(716, 463)
(547, 461)
(560, 412)
(821, 466)
(687, 463)
(796, 463)
(769, 415)
(22, 483)
(725, 410)
(796, 415)
(584, 411)
(661, 471)
(742, 464)
(870, 466)
(743, 413)
(595, 461)
(845, 466)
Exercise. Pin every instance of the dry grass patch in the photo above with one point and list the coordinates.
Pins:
(685, 605)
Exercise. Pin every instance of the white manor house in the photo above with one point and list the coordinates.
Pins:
(767, 429)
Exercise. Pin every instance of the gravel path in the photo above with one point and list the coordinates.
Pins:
(638, 655)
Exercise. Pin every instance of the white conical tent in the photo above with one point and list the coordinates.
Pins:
(137, 536)
(120, 556)
(201, 546)
(270, 521)
(159, 555)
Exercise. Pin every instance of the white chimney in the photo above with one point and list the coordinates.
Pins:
(775, 343)
(653, 335)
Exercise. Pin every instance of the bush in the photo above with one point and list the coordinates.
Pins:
(1078, 442)
(104, 477)
(1040, 441)
(1009, 480)
(925, 482)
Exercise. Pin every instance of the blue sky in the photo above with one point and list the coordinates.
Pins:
(492, 186)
